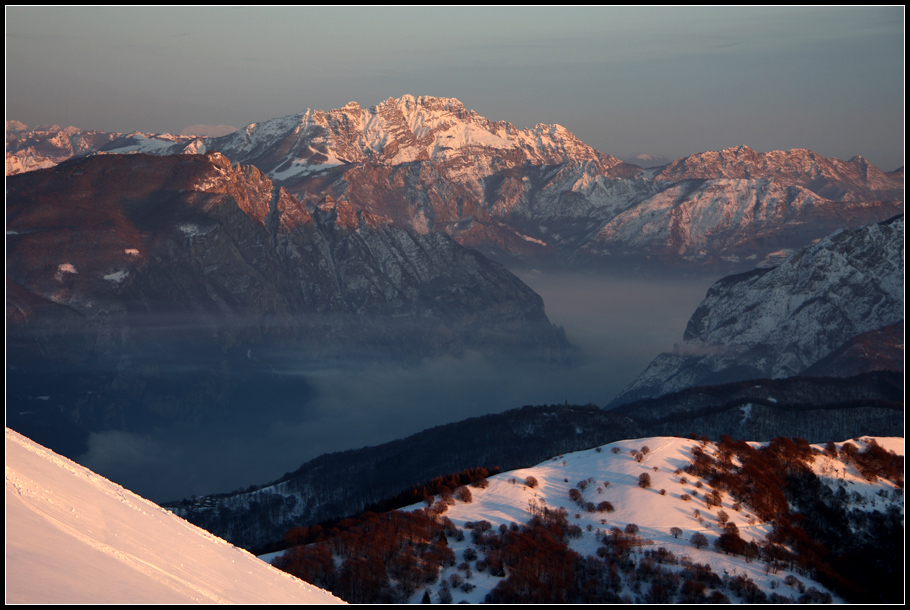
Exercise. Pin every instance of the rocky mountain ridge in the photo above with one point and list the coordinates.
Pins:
(279, 259)
(399, 131)
(430, 164)
(173, 286)
(782, 321)
(43, 146)
(837, 180)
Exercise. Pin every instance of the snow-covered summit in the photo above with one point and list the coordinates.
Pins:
(75, 537)
(397, 131)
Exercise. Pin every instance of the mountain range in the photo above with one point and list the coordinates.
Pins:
(431, 165)
(181, 282)
(171, 283)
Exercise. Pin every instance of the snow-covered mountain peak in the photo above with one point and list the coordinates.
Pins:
(737, 151)
(832, 178)
(407, 103)
(401, 130)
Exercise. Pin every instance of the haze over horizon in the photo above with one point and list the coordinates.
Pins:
(628, 80)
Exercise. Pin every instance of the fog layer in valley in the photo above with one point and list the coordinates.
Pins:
(618, 322)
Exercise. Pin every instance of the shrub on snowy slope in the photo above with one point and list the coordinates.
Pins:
(765, 549)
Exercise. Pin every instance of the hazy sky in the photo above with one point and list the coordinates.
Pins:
(669, 81)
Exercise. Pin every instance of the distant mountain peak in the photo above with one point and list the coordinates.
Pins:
(831, 178)
(398, 131)
(15, 126)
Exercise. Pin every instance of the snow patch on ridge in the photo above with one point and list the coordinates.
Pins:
(611, 473)
(64, 268)
(117, 276)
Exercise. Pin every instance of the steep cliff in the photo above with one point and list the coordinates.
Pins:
(782, 321)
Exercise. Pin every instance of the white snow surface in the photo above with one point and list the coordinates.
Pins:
(74, 537)
(507, 500)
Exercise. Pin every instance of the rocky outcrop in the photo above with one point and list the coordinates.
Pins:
(782, 321)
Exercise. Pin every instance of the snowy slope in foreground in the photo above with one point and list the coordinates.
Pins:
(75, 537)
(507, 500)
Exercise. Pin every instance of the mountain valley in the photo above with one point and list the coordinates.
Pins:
(349, 295)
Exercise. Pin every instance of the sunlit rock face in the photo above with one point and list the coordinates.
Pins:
(140, 269)
(815, 310)
(430, 164)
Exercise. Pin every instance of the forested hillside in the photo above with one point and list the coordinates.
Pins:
(342, 484)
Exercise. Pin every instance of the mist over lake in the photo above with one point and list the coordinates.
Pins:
(617, 322)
